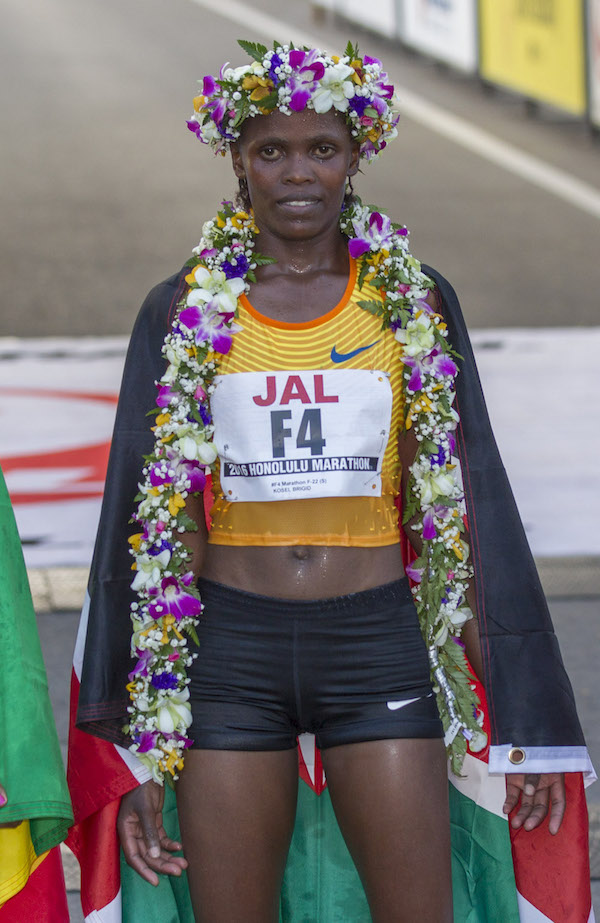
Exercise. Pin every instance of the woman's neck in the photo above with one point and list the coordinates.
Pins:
(298, 258)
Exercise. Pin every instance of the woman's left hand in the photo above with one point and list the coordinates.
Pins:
(539, 793)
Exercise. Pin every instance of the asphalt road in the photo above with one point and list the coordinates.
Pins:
(104, 190)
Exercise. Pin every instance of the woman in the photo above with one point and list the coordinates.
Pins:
(311, 413)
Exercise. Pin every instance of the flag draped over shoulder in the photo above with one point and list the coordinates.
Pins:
(496, 874)
(31, 768)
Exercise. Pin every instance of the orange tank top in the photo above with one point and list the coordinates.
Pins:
(306, 422)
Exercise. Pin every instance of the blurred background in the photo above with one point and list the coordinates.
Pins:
(103, 193)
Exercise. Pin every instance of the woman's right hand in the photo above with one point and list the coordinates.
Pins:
(146, 846)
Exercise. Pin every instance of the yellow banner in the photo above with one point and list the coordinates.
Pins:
(536, 47)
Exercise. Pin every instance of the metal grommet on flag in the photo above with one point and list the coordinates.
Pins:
(516, 756)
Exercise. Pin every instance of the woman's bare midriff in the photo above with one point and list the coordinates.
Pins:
(302, 571)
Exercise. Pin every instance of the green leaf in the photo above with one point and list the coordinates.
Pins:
(254, 49)
(270, 101)
(187, 522)
(373, 307)
(262, 260)
(191, 631)
(362, 273)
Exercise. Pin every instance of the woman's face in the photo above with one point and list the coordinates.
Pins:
(296, 167)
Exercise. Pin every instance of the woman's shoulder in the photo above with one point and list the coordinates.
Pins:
(159, 306)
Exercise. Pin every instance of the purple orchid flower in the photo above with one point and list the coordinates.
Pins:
(166, 396)
(195, 127)
(209, 85)
(146, 740)
(210, 325)
(185, 742)
(306, 71)
(434, 363)
(141, 667)
(157, 475)
(429, 530)
(414, 573)
(172, 599)
(378, 232)
(206, 252)
(188, 470)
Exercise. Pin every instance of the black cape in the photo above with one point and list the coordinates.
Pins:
(531, 702)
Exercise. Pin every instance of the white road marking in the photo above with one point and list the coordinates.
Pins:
(551, 179)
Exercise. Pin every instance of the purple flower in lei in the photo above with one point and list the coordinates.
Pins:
(359, 103)
(159, 547)
(141, 667)
(434, 363)
(210, 325)
(159, 474)
(166, 396)
(164, 681)
(414, 573)
(188, 470)
(306, 71)
(439, 458)
(172, 599)
(275, 63)
(377, 233)
(237, 267)
(429, 530)
(146, 740)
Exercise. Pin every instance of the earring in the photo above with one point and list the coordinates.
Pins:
(349, 188)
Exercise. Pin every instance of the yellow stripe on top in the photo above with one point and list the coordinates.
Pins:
(346, 337)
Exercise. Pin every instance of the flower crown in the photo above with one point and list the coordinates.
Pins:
(292, 79)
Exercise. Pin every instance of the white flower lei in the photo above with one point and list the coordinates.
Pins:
(169, 605)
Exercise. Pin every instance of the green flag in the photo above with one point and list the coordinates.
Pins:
(31, 767)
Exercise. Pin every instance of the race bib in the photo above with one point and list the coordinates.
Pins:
(290, 435)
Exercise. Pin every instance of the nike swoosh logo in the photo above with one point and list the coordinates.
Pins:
(343, 357)
(394, 706)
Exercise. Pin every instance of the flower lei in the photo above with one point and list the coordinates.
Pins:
(169, 605)
(291, 79)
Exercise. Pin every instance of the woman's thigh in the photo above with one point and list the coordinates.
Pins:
(391, 801)
(236, 814)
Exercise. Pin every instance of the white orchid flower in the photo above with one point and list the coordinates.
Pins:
(215, 286)
(417, 337)
(335, 89)
(173, 712)
(149, 569)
